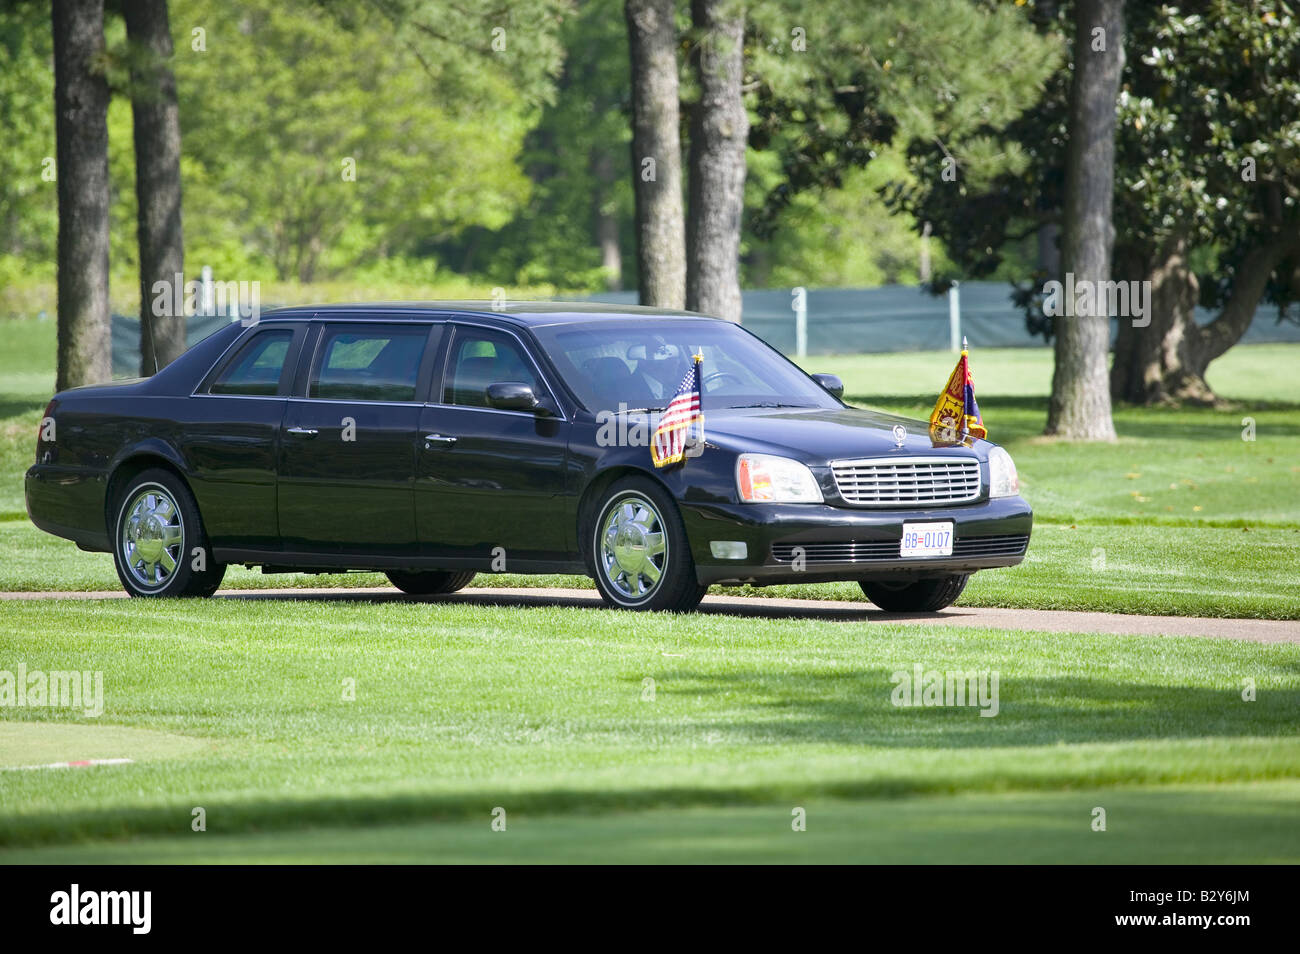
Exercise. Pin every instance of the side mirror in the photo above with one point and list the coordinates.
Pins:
(831, 382)
(512, 396)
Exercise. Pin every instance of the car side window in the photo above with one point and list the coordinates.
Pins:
(256, 368)
(380, 364)
(482, 356)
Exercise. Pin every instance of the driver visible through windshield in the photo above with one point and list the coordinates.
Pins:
(640, 364)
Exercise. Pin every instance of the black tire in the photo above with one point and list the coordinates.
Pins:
(140, 531)
(923, 596)
(676, 589)
(429, 582)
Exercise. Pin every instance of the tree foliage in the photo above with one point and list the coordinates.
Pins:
(1207, 86)
(28, 200)
(325, 144)
(834, 83)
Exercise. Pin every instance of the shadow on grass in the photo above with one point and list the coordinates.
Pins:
(856, 708)
(1217, 427)
(14, 406)
(234, 815)
(803, 707)
(1202, 825)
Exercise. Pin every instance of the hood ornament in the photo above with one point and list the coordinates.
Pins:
(900, 435)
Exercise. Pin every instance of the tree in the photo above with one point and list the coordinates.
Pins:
(1207, 186)
(656, 153)
(323, 138)
(1080, 404)
(719, 131)
(157, 177)
(577, 231)
(842, 93)
(1211, 133)
(81, 129)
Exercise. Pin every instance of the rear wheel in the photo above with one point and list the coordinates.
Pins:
(639, 551)
(429, 582)
(159, 547)
(923, 596)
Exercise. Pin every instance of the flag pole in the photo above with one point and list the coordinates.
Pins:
(965, 419)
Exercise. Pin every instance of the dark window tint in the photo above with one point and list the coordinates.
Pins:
(370, 365)
(256, 368)
(481, 357)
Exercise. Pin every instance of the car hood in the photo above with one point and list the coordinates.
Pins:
(818, 435)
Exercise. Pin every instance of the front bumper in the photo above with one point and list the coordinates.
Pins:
(840, 543)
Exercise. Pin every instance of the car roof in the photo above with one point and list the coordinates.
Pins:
(532, 313)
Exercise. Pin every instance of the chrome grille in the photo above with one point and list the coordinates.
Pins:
(921, 481)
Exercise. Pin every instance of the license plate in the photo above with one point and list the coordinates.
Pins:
(926, 540)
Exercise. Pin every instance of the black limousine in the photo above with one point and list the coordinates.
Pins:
(435, 441)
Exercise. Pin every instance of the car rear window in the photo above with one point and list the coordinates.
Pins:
(256, 368)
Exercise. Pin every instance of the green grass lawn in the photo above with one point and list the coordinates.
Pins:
(238, 707)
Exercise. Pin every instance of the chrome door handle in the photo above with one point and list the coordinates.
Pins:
(438, 439)
(304, 431)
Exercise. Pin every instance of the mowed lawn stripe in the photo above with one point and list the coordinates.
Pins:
(460, 708)
(1224, 824)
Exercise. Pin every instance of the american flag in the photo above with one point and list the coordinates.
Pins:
(681, 421)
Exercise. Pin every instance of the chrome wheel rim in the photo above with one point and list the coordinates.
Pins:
(633, 548)
(152, 538)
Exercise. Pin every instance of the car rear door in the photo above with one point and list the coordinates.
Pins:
(230, 432)
(490, 484)
(347, 458)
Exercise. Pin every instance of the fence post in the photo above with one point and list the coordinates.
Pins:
(954, 317)
(800, 305)
(207, 302)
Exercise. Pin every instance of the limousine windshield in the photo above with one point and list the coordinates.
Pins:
(641, 364)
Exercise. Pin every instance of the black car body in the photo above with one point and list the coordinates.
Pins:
(433, 441)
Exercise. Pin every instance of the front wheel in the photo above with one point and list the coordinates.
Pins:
(159, 547)
(640, 554)
(429, 582)
(923, 596)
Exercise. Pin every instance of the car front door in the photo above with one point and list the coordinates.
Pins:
(347, 460)
(490, 483)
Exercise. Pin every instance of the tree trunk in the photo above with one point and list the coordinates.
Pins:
(719, 131)
(81, 130)
(656, 153)
(1080, 403)
(157, 177)
(1142, 355)
(1166, 362)
(611, 257)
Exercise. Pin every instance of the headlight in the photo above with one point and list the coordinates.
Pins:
(762, 478)
(1003, 479)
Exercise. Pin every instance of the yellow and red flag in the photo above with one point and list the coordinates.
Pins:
(955, 413)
